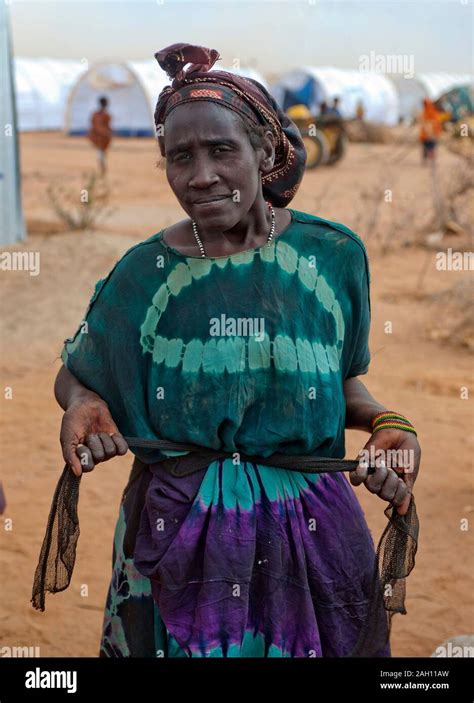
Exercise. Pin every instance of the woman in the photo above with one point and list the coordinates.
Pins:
(243, 328)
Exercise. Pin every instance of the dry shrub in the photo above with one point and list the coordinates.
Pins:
(453, 318)
(81, 208)
(452, 199)
(373, 133)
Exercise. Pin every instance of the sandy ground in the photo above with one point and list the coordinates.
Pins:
(410, 372)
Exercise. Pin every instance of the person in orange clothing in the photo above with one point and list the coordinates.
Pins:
(430, 120)
(100, 132)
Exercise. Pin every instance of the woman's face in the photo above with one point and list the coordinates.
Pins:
(211, 165)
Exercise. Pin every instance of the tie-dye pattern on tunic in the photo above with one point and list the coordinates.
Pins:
(243, 352)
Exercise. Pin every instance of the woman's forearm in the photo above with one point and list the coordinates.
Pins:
(361, 407)
(68, 389)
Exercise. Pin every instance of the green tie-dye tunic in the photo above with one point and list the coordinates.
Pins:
(242, 352)
(247, 351)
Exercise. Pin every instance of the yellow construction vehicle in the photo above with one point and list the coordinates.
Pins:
(324, 136)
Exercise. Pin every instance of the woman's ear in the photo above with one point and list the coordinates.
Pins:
(268, 148)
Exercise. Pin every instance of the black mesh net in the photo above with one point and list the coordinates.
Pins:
(58, 552)
(395, 559)
(395, 555)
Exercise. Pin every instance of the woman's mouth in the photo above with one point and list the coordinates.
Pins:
(210, 201)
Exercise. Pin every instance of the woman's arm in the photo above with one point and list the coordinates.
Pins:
(68, 389)
(397, 452)
(89, 434)
(361, 407)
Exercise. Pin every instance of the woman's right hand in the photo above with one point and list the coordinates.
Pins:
(89, 435)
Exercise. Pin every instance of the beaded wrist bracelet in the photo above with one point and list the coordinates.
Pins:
(391, 420)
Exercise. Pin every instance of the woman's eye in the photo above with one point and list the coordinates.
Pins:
(180, 157)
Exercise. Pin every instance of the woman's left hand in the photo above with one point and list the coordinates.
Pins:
(396, 455)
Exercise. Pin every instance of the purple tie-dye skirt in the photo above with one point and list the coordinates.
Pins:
(241, 561)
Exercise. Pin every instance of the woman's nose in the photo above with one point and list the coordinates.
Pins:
(204, 174)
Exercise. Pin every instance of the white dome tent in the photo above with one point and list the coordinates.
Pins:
(411, 91)
(312, 85)
(132, 88)
(436, 84)
(42, 88)
(12, 227)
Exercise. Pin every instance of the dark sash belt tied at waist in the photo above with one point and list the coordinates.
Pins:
(200, 457)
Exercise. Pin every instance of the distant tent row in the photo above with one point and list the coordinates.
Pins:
(61, 94)
(386, 99)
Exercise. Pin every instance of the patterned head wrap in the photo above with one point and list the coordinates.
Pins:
(245, 96)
